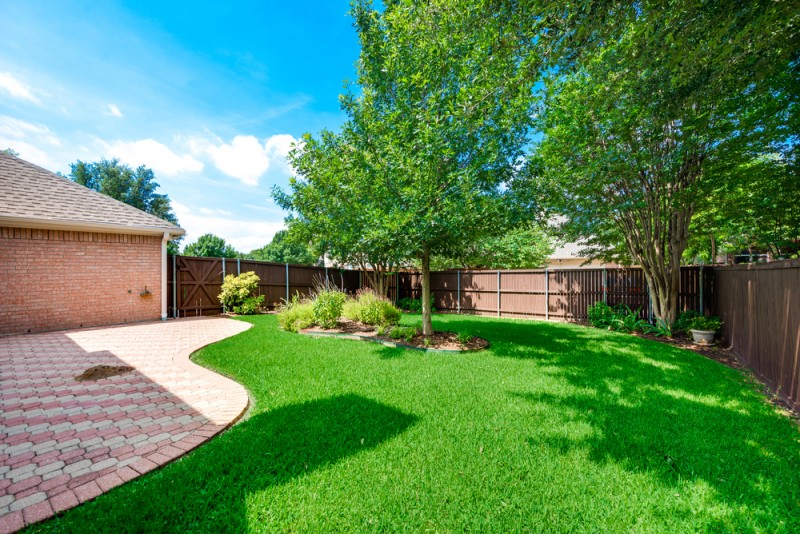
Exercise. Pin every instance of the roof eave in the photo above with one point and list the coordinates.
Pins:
(85, 226)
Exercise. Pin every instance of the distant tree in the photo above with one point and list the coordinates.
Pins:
(10, 152)
(283, 249)
(210, 246)
(134, 187)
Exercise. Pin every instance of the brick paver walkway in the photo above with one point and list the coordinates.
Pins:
(63, 442)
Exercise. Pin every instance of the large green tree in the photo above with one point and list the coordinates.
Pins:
(645, 108)
(438, 117)
(134, 187)
(284, 249)
(210, 246)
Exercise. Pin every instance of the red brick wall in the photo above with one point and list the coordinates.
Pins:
(51, 279)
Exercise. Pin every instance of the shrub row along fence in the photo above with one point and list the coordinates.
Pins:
(760, 304)
(563, 295)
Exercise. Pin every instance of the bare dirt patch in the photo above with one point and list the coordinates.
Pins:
(102, 371)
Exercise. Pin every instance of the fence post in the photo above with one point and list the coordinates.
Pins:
(605, 285)
(498, 292)
(175, 312)
(224, 308)
(287, 282)
(649, 303)
(238, 266)
(546, 295)
(360, 283)
(701, 291)
(458, 303)
(396, 287)
(326, 276)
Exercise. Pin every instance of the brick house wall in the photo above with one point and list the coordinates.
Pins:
(53, 279)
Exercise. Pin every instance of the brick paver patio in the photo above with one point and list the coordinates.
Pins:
(63, 442)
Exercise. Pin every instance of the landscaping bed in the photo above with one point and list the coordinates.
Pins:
(439, 341)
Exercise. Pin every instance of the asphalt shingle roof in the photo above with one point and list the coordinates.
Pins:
(31, 193)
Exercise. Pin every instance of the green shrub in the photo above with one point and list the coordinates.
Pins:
(372, 309)
(464, 337)
(684, 321)
(327, 305)
(406, 333)
(661, 328)
(627, 320)
(351, 309)
(296, 314)
(239, 293)
(413, 305)
(619, 317)
(600, 315)
(711, 323)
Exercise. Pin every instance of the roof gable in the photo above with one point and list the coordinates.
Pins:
(33, 196)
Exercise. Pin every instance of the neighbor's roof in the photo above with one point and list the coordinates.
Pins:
(568, 251)
(32, 197)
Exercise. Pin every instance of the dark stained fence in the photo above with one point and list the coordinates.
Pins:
(558, 294)
(760, 307)
(194, 284)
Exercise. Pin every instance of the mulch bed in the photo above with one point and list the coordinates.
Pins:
(438, 341)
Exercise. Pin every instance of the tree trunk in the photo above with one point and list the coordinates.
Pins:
(427, 323)
(713, 249)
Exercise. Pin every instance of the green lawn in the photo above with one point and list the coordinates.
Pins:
(556, 428)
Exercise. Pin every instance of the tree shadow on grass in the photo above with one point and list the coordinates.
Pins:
(657, 410)
(208, 490)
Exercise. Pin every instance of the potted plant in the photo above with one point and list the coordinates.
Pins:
(704, 329)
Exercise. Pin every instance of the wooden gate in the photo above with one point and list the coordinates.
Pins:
(194, 286)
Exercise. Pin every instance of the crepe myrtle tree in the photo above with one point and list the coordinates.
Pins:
(643, 118)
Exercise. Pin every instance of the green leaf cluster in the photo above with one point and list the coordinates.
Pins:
(239, 293)
(135, 187)
(283, 249)
(210, 246)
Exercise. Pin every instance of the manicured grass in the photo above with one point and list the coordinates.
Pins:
(556, 428)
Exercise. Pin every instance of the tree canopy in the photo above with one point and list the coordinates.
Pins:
(134, 187)
(649, 116)
(283, 249)
(210, 246)
(437, 120)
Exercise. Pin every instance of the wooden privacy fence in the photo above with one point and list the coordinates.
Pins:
(564, 295)
(558, 294)
(759, 304)
(195, 283)
(760, 307)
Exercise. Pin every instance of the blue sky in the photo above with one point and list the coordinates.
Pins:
(208, 95)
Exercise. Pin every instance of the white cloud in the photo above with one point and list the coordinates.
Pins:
(114, 110)
(27, 138)
(16, 88)
(244, 235)
(152, 154)
(245, 157)
(28, 152)
(278, 147)
(19, 129)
